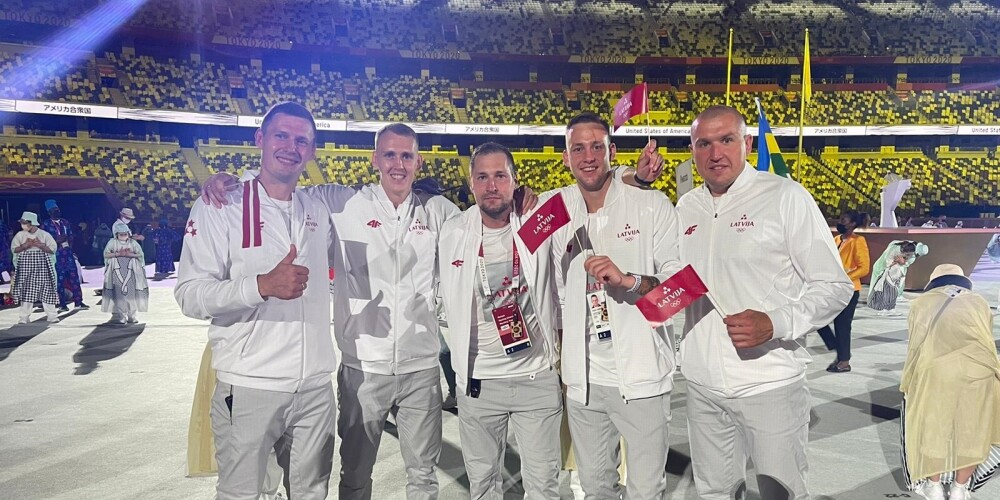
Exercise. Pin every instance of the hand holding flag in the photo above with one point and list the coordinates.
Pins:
(749, 328)
(650, 164)
(633, 103)
(549, 217)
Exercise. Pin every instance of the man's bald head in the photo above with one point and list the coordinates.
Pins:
(718, 111)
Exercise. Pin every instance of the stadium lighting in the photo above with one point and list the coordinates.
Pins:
(71, 45)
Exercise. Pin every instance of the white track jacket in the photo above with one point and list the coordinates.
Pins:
(274, 344)
(459, 252)
(763, 246)
(641, 238)
(385, 266)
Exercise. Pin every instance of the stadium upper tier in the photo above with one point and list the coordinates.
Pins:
(163, 179)
(685, 28)
(145, 82)
(154, 178)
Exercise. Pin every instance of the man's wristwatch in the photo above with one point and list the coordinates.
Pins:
(638, 283)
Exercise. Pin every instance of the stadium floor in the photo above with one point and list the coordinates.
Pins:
(92, 411)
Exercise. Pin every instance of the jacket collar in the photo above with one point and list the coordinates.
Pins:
(383, 200)
(742, 182)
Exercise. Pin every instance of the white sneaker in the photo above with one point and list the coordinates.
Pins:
(131, 319)
(22, 321)
(449, 403)
(52, 319)
(931, 490)
(959, 491)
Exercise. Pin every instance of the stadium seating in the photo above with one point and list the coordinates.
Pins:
(322, 92)
(517, 106)
(173, 84)
(156, 83)
(173, 15)
(154, 179)
(22, 77)
(409, 99)
(608, 28)
(933, 185)
(959, 107)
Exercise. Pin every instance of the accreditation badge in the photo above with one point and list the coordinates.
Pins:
(511, 327)
(597, 301)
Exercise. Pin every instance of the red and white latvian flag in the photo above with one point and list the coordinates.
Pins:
(671, 296)
(546, 220)
(631, 104)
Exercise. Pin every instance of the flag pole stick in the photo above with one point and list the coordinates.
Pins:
(649, 127)
(729, 66)
(802, 105)
(715, 304)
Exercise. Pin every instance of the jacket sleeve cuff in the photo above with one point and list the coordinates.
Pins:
(250, 292)
(781, 322)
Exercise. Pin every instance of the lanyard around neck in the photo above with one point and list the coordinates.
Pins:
(484, 279)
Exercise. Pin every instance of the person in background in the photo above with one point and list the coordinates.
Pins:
(889, 275)
(126, 291)
(951, 390)
(126, 216)
(102, 235)
(6, 265)
(68, 280)
(163, 239)
(853, 251)
(34, 263)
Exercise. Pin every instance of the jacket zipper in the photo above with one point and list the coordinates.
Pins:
(711, 251)
(395, 295)
(302, 343)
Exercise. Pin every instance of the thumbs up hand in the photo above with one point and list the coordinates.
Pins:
(286, 281)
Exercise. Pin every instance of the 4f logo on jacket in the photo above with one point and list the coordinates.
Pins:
(374, 224)
(690, 230)
(457, 263)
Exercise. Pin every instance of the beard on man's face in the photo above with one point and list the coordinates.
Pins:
(497, 211)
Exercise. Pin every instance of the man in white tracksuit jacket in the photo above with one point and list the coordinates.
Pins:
(502, 381)
(246, 269)
(621, 243)
(763, 249)
(384, 249)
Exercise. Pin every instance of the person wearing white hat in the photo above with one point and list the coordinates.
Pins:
(126, 290)
(35, 273)
(951, 390)
(126, 216)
